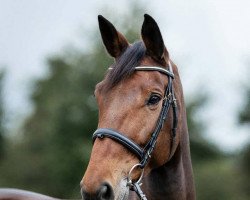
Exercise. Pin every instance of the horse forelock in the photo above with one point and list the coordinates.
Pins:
(125, 65)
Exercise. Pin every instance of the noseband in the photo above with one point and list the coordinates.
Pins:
(144, 154)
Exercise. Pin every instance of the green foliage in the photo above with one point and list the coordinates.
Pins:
(244, 115)
(244, 119)
(2, 141)
(217, 176)
(210, 166)
(244, 160)
(219, 179)
(201, 149)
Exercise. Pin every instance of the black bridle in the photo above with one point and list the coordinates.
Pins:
(144, 154)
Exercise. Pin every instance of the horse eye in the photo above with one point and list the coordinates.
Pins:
(154, 99)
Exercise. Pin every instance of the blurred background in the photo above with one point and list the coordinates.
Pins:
(51, 57)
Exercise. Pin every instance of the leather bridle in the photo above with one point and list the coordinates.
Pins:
(144, 154)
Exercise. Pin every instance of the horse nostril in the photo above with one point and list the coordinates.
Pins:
(105, 192)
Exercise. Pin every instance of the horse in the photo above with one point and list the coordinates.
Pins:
(141, 145)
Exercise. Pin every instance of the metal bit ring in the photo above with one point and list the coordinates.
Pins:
(130, 173)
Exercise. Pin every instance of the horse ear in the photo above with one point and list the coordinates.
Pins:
(152, 38)
(114, 41)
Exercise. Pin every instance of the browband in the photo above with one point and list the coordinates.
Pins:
(153, 68)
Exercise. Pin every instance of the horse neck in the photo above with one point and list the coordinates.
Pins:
(174, 179)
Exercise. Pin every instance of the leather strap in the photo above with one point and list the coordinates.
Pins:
(132, 146)
(155, 68)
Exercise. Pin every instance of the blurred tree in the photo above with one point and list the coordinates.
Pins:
(216, 176)
(244, 115)
(245, 169)
(201, 149)
(57, 136)
(244, 118)
(2, 141)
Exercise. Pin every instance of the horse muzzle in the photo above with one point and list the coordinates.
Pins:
(103, 192)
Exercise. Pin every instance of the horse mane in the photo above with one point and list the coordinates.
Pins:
(125, 65)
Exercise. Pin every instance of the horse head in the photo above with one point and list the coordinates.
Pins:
(138, 101)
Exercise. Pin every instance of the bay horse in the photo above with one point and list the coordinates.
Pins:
(141, 147)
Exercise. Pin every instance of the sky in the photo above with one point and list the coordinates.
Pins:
(209, 40)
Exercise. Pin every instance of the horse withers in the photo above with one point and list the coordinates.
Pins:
(141, 147)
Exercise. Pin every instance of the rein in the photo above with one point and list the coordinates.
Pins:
(144, 154)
